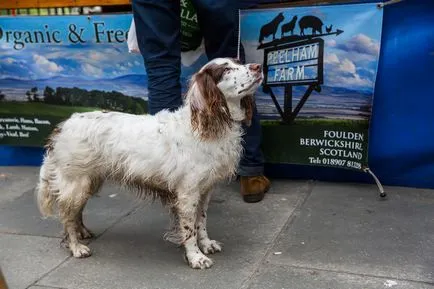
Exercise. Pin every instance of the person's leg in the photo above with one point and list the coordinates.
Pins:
(218, 21)
(252, 162)
(158, 35)
(253, 184)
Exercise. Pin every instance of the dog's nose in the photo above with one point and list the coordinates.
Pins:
(255, 67)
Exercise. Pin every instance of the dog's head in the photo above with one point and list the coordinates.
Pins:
(221, 93)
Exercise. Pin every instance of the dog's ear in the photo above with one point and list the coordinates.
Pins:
(248, 104)
(210, 114)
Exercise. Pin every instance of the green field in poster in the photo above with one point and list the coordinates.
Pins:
(29, 124)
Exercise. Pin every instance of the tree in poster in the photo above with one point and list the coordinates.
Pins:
(33, 95)
(49, 95)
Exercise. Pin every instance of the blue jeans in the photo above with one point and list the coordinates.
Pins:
(158, 26)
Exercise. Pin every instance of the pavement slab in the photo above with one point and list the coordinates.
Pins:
(283, 277)
(44, 287)
(14, 181)
(21, 215)
(303, 235)
(24, 259)
(345, 228)
(132, 254)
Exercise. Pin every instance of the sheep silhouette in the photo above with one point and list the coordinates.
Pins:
(288, 27)
(271, 27)
(310, 22)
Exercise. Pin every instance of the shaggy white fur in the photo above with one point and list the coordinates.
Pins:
(175, 156)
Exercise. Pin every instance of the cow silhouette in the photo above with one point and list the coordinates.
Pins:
(271, 27)
(288, 27)
(310, 22)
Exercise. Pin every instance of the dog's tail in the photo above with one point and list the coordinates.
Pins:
(45, 195)
(46, 190)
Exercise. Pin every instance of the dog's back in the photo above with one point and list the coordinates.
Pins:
(81, 147)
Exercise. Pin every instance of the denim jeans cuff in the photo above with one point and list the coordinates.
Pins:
(250, 171)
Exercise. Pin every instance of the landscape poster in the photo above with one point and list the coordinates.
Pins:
(52, 66)
(320, 65)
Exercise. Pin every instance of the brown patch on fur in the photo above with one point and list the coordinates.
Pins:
(49, 145)
(216, 71)
(189, 235)
(248, 104)
(212, 120)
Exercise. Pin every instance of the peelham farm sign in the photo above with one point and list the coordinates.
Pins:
(295, 64)
(320, 67)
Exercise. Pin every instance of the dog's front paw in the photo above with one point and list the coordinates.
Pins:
(80, 250)
(199, 261)
(208, 246)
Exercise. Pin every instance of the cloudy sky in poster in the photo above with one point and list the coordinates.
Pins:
(88, 59)
(350, 58)
(87, 55)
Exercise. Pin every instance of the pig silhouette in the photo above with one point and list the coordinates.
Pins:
(310, 22)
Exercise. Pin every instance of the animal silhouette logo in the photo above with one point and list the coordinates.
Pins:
(310, 22)
(271, 27)
(288, 30)
(288, 27)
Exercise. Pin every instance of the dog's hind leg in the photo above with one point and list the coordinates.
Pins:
(83, 232)
(71, 201)
(206, 245)
(187, 205)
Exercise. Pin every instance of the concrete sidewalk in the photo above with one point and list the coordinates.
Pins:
(302, 235)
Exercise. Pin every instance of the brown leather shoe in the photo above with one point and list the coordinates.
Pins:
(253, 188)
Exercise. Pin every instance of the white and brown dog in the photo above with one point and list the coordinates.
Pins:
(174, 156)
